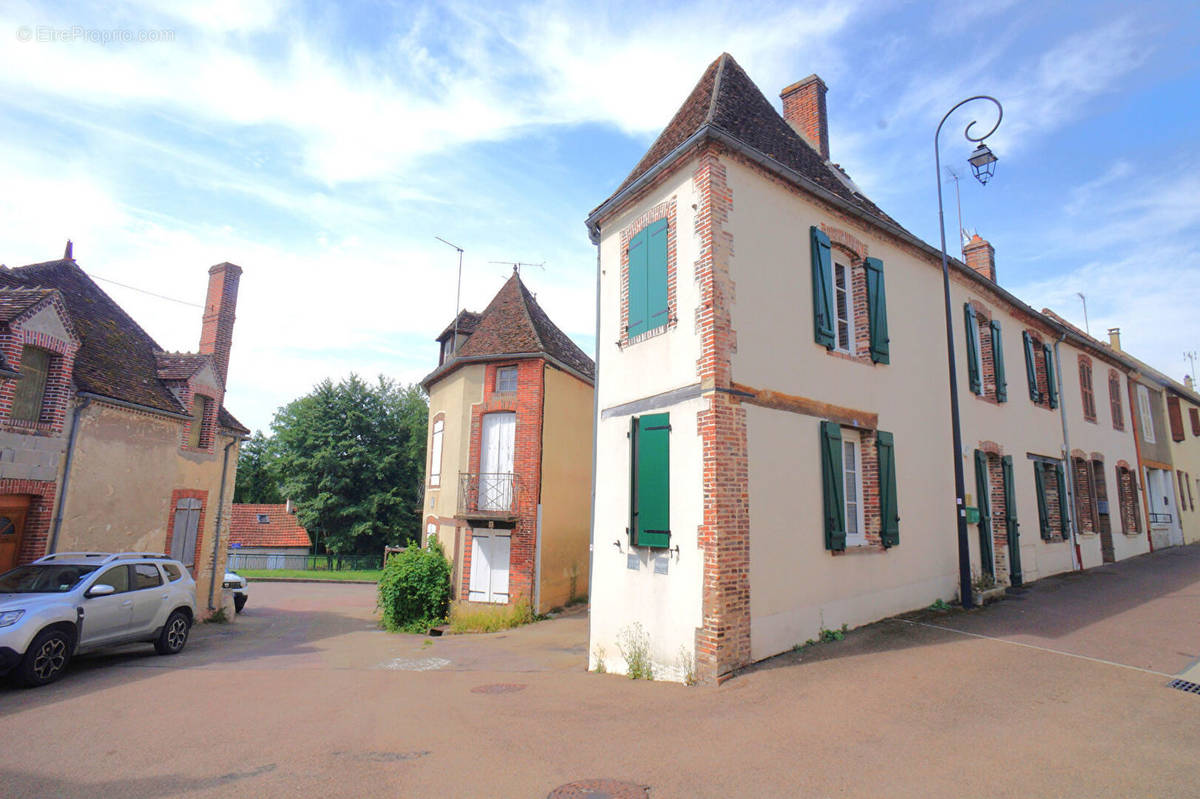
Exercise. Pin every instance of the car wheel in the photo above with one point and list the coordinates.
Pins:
(46, 659)
(174, 634)
(239, 602)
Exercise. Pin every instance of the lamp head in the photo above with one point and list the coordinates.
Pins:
(983, 163)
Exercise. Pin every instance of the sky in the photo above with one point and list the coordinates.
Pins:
(323, 147)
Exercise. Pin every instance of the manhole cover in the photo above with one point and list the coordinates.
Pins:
(499, 688)
(1185, 685)
(601, 789)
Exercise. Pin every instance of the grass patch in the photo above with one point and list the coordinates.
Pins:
(313, 574)
(470, 617)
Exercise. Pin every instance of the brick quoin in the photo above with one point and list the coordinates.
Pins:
(527, 465)
(36, 534)
(723, 639)
(58, 380)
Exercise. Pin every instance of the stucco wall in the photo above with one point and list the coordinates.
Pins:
(1185, 456)
(566, 493)
(127, 464)
(453, 396)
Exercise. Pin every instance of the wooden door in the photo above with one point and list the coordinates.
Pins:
(12, 524)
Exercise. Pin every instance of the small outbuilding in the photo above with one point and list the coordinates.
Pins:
(267, 537)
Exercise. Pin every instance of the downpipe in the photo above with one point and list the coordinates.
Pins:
(66, 479)
(212, 580)
(1069, 467)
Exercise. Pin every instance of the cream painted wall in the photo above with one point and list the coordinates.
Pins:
(1185, 456)
(453, 395)
(566, 490)
(126, 465)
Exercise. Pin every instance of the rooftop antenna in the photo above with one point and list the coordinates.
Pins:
(962, 232)
(1083, 299)
(458, 290)
(1191, 356)
(516, 265)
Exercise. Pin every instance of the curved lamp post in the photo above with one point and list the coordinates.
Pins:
(983, 164)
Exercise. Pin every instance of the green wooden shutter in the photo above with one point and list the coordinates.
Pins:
(1031, 368)
(973, 371)
(822, 278)
(1012, 525)
(1039, 482)
(1051, 383)
(638, 319)
(650, 522)
(1063, 522)
(658, 313)
(985, 513)
(877, 311)
(889, 508)
(833, 487)
(998, 363)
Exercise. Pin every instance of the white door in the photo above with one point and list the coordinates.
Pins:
(489, 566)
(496, 461)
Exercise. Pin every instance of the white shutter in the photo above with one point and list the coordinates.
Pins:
(435, 462)
(501, 545)
(481, 569)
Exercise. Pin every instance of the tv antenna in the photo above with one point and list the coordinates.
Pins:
(1191, 356)
(516, 265)
(458, 290)
(962, 232)
(1083, 299)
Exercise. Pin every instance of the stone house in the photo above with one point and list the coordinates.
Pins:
(108, 443)
(773, 446)
(510, 454)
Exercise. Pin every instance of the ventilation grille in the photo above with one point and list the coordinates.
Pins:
(1184, 685)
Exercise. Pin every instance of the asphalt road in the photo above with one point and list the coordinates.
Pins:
(1061, 692)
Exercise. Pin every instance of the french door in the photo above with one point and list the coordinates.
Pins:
(489, 565)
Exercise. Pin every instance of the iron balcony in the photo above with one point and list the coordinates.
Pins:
(487, 495)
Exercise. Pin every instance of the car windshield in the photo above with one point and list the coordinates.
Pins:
(55, 578)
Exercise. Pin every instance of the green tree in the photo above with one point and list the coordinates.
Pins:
(257, 472)
(352, 457)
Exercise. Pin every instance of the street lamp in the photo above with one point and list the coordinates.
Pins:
(983, 164)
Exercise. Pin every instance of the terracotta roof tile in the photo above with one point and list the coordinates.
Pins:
(14, 302)
(179, 365)
(280, 530)
(467, 322)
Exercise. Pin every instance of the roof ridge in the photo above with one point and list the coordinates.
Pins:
(716, 89)
(526, 298)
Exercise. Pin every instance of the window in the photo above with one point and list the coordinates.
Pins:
(1175, 417)
(647, 273)
(31, 388)
(1183, 505)
(985, 356)
(506, 379)
(1085, 507)
(1143, 397)
(186, 530)
(117, 577)
(1114, 400)
(1085, 388)
(173, 572)
(263, 518)
(1127, 497)
(197, 439)
(843, 302)
(1050, 487)
(435, 457)
(145, 575)
(1039, 371)
(1051, 380)
(650, 481)
(848, 461)
(1194, 415)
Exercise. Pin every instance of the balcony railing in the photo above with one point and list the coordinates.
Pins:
(487, 495)
(1160, 518)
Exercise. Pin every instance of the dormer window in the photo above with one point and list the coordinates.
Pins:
(263, 518)
(506, 380)
(447, 349)
(201, 409)
(30, 392)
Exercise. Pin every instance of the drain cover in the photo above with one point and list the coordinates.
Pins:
(600, 789)
(499, 688)
(1184, 685)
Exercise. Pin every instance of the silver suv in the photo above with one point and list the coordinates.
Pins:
(72, 602)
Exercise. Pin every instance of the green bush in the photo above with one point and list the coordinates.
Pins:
(414, 591)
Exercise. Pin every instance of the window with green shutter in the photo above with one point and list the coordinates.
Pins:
(877, 311)
(1061, 484)
(648, 307)
(1011, 523)
(889, 509)
(1039, 487)
(650, 481)
(1051, 383)
(998, 362)
(974, 372)
(985, 513)
(1031, 368)
(822, 280)
(833, 490)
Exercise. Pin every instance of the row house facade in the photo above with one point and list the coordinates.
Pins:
(108, 442)
(510, 454)
(773, 447)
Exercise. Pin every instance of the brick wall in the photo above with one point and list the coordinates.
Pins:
(852, 252)
(58, 381)
(526, 402)
(999, 518)
(36, 535)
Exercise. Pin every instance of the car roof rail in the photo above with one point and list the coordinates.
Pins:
(73, 556)
(140, 555)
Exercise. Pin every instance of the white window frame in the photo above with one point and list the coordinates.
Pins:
(435, 461)
(848, 348)
(431, 531)
(853, 505)
(500, 373)
(1147, 420)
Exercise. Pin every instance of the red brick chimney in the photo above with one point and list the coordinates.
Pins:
(216, 333)
(981, 257)
(804, 110)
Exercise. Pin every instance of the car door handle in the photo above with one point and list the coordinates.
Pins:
(127, 603)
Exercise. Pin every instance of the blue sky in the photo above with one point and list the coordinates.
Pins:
(323, 148)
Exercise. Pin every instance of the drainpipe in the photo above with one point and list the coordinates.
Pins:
(1141, 470)
(595, 235)
(1069, 472)
(66, 479)
(212, 582)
